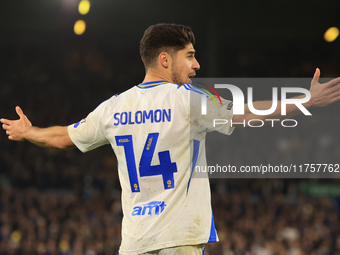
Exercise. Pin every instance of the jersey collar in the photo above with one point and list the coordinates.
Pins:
(151, 84)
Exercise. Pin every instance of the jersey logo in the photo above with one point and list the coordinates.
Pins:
(78, 123)
(158, 207)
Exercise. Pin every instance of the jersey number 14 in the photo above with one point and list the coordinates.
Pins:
(165, 168)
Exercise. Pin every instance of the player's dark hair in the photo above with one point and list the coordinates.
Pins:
(169, 38)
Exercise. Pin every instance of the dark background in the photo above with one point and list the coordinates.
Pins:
(69, 202)
(221, 28)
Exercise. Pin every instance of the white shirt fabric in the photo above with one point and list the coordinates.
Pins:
(157, 133)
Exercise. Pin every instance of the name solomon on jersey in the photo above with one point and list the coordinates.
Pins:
(140, 117)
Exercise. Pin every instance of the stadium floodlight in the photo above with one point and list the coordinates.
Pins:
(79, 27)
(331, 34)
(84, 7)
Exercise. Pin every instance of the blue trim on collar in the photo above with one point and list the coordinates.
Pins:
(151, 82)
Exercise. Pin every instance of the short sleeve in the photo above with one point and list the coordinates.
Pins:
(88, 133)
(217, 118)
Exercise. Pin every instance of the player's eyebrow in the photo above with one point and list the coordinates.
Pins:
(191, 52)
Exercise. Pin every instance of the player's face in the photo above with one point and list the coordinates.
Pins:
(184, 65)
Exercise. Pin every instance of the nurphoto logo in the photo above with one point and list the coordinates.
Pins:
(238, 104)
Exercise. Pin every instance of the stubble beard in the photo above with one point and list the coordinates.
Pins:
(175, 76)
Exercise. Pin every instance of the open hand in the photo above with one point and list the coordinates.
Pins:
(326, 93)
(16, 129)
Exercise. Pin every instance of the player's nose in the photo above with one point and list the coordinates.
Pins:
(196, 65)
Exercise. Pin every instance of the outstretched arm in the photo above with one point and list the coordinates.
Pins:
(22, 129)
(321, 95)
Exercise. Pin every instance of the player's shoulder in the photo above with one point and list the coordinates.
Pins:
(120, 96)
(108, 101)
(193, 89)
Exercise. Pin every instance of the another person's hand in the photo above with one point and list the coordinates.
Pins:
(16, 129)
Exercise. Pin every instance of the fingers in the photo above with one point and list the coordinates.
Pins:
(14, 128)
(335, 88)
(5, 121)
(19, 111)
(11, 138)
(334, 99)
(316, 76)
(335, 94)
(333, 82)
(5, 127)
(6, 124)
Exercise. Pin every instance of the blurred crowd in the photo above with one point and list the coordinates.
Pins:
(266, 217)
(67, 203)
(254, 217)
(58, 222)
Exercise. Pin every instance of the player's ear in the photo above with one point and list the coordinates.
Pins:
(164, 59)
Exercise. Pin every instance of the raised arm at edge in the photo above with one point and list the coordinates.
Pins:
(321, 95)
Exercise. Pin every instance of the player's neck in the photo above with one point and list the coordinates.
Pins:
(154, 75)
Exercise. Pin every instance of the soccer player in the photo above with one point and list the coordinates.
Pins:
(158, 134)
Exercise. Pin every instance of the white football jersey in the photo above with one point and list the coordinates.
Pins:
(157, 132)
